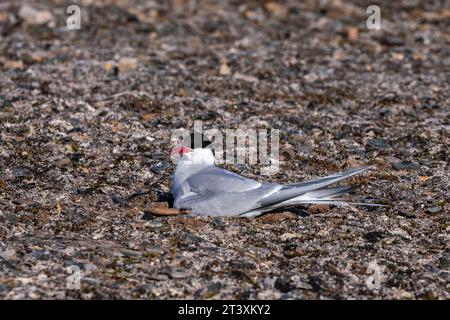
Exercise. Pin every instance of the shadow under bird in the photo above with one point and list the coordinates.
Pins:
(204, 189)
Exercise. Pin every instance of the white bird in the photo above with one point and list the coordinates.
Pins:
(204, 189)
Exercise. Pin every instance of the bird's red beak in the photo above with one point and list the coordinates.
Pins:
(180, 151)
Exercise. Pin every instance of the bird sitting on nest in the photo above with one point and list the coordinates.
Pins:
(201, 188)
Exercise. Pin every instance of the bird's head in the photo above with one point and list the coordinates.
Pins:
(195, 149)
(196, 156)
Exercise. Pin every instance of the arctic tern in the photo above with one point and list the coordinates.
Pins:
(204, 189)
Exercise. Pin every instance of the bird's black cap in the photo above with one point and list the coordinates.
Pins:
(196, 140)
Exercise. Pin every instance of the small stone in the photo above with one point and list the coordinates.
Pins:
(20, 173)
(304, 286)
(40, 254)
(62, 124)
(398, 164)
(158, 277)
(62, 163)
(174, 273)
(130, 253)
(277, 9)
(150, 116)
(76, 156)
(89, 267)
(400, 233)
(218, 224)
(318, 208)
(196, 238)
(33, 16)
(159, 167)
(352, 34)
(155, 155)
(406, 214)
(5, 103)
(423, 179)
(283, 285)
(119, 200)
(245, 77)
(213, 289)
(406, 295)
(377, 144)
(398, 56)
(373, 236)
(148, 216)
(127, 64)
(434, 210)
(13, 64)
(154, 251)
(405, 165)
(108, 66)
(34, 56)
(268, 294)
(8, 254)
(224, 69)
(289, 236)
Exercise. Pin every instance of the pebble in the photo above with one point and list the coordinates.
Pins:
(378, 144)
(20, 173)
(127, 64)
(400, 233)
(33, 16)
(224, 69)
(89, 267)
(40, 254)
(405, 165)
(283, 285)
(8, 254)
(195, 238)
(373, 236)
(119, 200)
(154, 251)
(158, 277)
(62, 163)
(289, 236)
(13, 64)
(406, 214)
(130, 253)
(318, 208)
(277, 9)
(159, 167)
(218, 224)
(174, 273)
(148, 216)
(155, 155)
(433, 210)
(244, 77)
(398, 164)
(214, 289)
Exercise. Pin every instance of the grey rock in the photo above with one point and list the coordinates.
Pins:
(434, 210)
(21, 172)
(378, 144)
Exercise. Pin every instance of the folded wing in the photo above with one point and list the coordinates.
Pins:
(215, 191)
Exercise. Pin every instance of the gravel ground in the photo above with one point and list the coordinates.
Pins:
(86, 118)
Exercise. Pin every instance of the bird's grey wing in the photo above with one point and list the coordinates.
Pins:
(225, 203)
(294, 190)
(216, 180)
